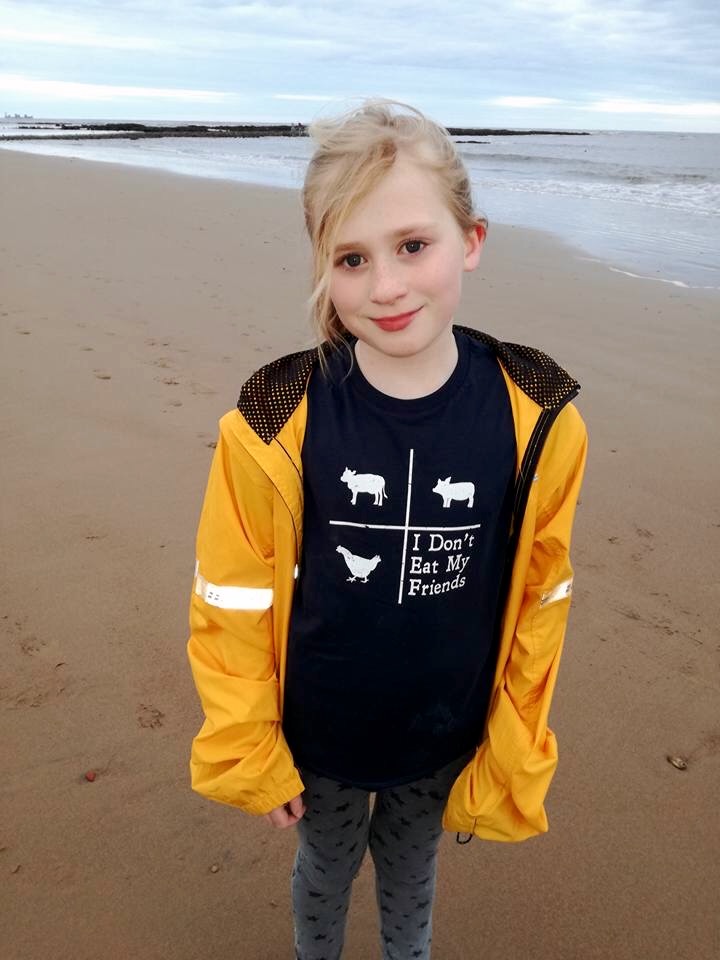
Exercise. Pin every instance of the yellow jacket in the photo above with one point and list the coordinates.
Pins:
(248, 547)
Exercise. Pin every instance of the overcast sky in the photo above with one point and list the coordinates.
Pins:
(589, 64)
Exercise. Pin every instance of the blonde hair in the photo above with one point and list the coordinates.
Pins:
(354, 152)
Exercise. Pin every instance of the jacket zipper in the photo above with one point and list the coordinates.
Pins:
(295, 530)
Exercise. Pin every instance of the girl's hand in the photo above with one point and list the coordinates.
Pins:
(287, 815)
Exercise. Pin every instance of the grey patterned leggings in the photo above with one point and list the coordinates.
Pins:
(403, 834)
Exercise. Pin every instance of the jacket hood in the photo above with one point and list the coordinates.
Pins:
(269, 398)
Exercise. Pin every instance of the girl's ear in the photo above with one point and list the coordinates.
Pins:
(474, 240)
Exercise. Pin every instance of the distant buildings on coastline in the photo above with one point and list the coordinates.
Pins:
(18, 116)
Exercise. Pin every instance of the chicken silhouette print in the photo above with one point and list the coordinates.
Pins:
(370, 483)
(359, 567)
(454, 491)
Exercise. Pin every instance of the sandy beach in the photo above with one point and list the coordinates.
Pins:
(133, 304)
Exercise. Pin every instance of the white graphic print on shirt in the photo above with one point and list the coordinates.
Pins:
(359, 567)
(365, 483)
(455, 491)
(438, 555)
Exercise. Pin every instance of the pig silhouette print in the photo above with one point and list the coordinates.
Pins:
(370, 483)
(359, 567)
(455, 491)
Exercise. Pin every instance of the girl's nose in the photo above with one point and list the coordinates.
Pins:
(386, 284)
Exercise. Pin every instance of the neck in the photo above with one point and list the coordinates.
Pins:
(407, 378)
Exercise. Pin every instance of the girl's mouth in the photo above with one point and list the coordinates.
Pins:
(398, 322)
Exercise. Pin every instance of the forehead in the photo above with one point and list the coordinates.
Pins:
(408, 195)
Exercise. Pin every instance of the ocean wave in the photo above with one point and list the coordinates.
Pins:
(696, 197)
(591, 170)
(662, 177)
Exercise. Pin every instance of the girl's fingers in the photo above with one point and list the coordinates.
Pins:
(288, 815)
(297, 807)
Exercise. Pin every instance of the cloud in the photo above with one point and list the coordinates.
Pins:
(707, 109)
(63, 89)
(82, 38)
(310, 97)
(522, 102)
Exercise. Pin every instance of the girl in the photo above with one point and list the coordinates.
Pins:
(383, 577)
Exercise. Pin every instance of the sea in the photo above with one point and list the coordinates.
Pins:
(643, 204)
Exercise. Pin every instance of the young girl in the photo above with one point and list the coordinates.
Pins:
(383, 579)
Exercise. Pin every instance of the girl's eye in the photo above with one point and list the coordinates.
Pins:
(351, 260)
(416, 245)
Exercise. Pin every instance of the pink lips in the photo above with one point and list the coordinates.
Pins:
(398, 322)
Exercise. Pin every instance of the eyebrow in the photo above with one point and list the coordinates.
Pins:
(395, 235)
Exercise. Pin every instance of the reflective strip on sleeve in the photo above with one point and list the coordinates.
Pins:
(560, 592)
(233, 598)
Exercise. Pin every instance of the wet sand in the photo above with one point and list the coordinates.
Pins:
(133, 304)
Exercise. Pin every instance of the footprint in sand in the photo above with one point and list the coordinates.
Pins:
(170, 382)
(30, 644)
(102, 376)
(645, 535)
(198, 390)
(150, 717)
(43, 689)
(87, 349)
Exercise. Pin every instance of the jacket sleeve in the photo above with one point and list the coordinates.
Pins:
(240, 756)
(500, 794)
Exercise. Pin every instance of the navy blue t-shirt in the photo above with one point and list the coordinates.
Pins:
(406, 521)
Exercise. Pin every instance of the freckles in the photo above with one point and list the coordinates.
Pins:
(443, 279)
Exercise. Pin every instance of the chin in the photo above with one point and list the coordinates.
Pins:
(400, 343)
(408, 348)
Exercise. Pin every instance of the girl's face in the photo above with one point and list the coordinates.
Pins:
(398, 264)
